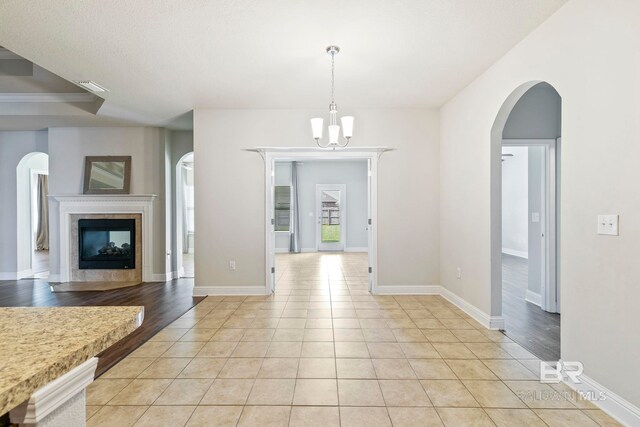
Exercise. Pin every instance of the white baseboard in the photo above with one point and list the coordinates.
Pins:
(513, 252)
(160, 277)
(533, 298)
(489, 322)
(24, 273)
(356, 249)
(309, 250)
(408, 290)
(54, 278)
(201, 291)
(15, 275)
(616, 406)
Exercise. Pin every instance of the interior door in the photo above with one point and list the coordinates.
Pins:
(331, 217)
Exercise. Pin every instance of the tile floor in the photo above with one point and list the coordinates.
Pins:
(324, 352)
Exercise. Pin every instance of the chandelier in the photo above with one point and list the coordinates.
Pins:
(334, 127)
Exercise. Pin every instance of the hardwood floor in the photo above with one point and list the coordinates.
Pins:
(526, 323)
(163, 303)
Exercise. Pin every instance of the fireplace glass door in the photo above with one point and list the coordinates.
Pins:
(106, 244)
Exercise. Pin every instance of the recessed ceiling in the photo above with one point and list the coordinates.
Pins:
(162, 58)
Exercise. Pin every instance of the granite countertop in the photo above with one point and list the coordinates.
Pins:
(40, 344)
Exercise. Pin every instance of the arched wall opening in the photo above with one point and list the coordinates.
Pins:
(32, 209)
(184, 217)
(527, 125)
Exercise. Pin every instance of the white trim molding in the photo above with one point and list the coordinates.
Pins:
(533, 298)
(271, 154)
(54, 278)
(201, 291)
(616, 406)
(105, 204)
(16, 275)
(161, 277)
(489, 322)
(55, 395)
(356, 249)
(48, 97)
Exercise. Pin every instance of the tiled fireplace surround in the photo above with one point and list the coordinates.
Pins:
(73, 208)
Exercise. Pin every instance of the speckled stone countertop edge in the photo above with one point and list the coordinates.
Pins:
(18, 392)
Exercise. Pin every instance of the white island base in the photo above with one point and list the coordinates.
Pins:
(60, 403)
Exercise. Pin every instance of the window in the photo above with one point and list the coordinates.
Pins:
(282, 213)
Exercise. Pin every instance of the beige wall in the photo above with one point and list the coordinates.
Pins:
(589, 52)
(230, 190)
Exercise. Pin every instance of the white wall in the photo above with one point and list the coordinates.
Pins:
(146, 146)
(231, 189)
(353, 174)
(515, 201)
(13, 147)
(589, 52)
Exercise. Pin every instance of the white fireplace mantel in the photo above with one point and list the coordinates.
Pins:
(105, 204)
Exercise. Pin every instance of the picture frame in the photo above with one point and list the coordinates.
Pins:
(107, 174)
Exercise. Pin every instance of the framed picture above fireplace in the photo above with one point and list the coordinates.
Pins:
(107, 174)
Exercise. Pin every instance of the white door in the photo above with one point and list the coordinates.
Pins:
(331, 217)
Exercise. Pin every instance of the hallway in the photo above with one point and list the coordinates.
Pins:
(526, 323)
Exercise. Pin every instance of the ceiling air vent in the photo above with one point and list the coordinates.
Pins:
(91, 86)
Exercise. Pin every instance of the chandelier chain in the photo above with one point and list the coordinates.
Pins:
(333, 55)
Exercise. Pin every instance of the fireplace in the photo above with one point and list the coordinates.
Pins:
(106, 244)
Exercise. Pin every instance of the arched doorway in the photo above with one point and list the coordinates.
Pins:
(185, 224)
(32, 208)
(525, 203)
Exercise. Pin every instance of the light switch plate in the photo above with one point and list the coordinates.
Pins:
(608, 225)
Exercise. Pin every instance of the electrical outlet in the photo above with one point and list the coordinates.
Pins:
(608, 224)
(458, 273)
(232, 265)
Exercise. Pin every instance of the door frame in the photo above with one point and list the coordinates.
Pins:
(179, 219)
(550, 280)
(343, 216)
(282, 154)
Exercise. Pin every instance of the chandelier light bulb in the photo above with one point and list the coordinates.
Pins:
(316, 127)
(347, 126)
